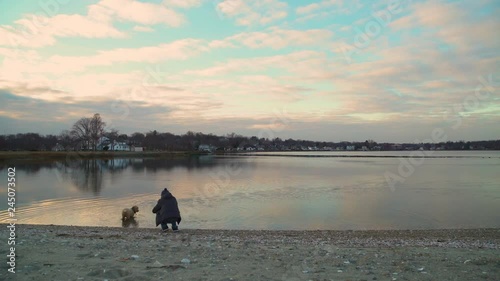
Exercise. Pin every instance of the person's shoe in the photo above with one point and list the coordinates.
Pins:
(165, 230)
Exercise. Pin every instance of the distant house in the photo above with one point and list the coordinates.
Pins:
(120, 146)
(350, 147)
(137, 148)
(206, 148)
(103, 143)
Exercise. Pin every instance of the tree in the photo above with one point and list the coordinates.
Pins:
(137, 139)
(66, 140)
(96, 130)
(88, 131)
(81, 132)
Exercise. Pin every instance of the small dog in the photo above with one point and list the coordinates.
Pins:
(128, 214)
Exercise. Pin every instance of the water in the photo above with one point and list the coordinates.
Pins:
(285, 190)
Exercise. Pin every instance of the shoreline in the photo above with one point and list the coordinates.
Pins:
(75, 155)
(55, 252)
(488, 238)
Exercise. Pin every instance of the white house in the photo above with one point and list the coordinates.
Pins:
(137, 148)
(206, 148)
(121, 146)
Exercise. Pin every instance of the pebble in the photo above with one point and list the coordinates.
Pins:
(157, 264)
(185, 261)
(134, 257)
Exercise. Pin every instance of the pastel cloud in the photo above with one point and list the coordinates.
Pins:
(327, 8)
(141, 28)
(247, 13)
(137, 12)
(278, 38)
(177, 50)
(182, 3)
(37, 31)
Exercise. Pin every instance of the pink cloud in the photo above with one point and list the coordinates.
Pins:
(138, 12)
(277, 38)
(249, 13)
(37, 31)
(182, 3)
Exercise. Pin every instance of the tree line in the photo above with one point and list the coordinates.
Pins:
(86, 133)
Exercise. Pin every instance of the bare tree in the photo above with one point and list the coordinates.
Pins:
(88, 131)
(96, 130)
(81, 132)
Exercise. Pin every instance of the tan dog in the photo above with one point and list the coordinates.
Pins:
(128, 214)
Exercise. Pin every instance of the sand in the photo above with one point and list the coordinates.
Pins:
(96, 253)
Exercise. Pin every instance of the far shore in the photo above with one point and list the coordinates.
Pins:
(74, 155)
(51, 252)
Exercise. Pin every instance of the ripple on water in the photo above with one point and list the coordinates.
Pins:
(84, 211)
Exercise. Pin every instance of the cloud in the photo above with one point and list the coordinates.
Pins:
(308, 8)
(258, 12)
(141, 28)
(37, 31)
(303, 62)
(137, 12)
(326, 8)
(278, 38)
(30, 113)
(454, 23)
(21, 63)
(182, 3)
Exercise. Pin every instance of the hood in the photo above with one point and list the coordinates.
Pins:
(166, 194)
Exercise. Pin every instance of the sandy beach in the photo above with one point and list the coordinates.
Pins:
(49, 252)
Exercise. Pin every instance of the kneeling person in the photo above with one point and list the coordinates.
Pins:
(167, 211)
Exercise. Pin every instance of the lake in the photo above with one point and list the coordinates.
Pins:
(275, 190)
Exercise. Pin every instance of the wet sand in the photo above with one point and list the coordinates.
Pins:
(98, 253)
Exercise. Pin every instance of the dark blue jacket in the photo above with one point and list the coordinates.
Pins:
(166, 208)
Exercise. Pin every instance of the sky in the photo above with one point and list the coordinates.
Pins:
(327, 70)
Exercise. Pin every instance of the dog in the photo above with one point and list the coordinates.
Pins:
(128, 213)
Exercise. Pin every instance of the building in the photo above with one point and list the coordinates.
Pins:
(206, 148)
(120, 146)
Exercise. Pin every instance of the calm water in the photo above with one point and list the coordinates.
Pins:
(267, 191)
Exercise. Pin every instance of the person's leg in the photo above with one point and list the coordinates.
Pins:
(174, 224)
(164, 226)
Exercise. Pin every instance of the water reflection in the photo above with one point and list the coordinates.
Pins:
(88, 174)
(255, 192)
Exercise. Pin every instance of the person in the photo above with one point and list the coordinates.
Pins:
(167, 211)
